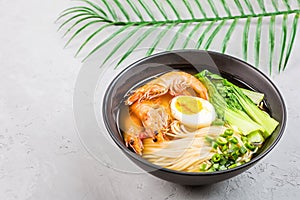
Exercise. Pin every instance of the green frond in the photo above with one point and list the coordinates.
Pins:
(82, 28)
(147, 9)
(91, 37)
(140, 20)
(201, 8)
(286, 3)
(87, 9)
(238, 4)
(226, 8)
(228, 35)
(275, 5)
(122, 41)
(245, 39)
(161, 10)
(137, 42)
(109, 38)
(283, 41)
(72, 18)
(189, 8)
(79, 21)
(262, 5)
(191, 34)
(100, 10)
(249, 6)
(174, 9)
(110, 10)
(122, 9)
(213, 8)
(175, 38)
(271, 42)
(257, 41)
(214, 33)
(291, 40)
(76, 9)
(135, 10)
(201, 38)
(159, 38)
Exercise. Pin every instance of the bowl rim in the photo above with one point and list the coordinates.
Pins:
(157, 167)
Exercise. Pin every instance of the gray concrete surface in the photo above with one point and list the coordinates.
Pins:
(41, 156)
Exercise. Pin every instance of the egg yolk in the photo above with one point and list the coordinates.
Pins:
(188, 105)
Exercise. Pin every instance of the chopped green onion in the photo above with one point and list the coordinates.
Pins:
(215, 145)
(234, 165)
(221, 140)
(233, 140)
(228, 132)
(203, 167)
(243, 150)
(209, 139)
(255, 137)
(223, 161)
(224, 148)
(235, 155)
(244, 139)
(233, 148)
(216, 158)
(216, 165)
(250, 146)
(211, 169)
(222, 167)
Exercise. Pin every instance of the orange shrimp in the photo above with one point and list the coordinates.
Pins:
(149, 119)
(174, 83)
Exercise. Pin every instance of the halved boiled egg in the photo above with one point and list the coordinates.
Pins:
(193, 112)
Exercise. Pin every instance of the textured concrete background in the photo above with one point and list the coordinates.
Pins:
(41, 156)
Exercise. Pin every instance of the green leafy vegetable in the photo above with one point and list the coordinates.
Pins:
(234, 107)
(256, 97)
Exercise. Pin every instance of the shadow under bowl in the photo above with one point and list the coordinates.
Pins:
(192, 61)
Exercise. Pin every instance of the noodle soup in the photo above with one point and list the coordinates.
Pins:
(194, 122)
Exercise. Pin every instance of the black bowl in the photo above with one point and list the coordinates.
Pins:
(192, 61)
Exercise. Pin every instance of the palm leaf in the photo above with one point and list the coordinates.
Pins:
(135, 10)
(94, 6)
(191, 34)
(175, 38)
(250, 7)
(174, 9)
(123, 10)
(228, 36)
(213, 34)
(245, 39)
(189, 8)
(271, 41)
(147, 9)
(226, 7)
(141, 22)
(161, 10)
(283, 39)
(201, 9)
(138, 41)
(238, 4)
(119, 44)
(159, 38)
(257, 40)
(291, 41)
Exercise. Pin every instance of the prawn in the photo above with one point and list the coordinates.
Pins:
(175, 83)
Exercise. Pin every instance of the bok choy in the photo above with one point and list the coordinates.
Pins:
(233, 106)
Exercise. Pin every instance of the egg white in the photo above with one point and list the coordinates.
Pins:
(201, 119)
